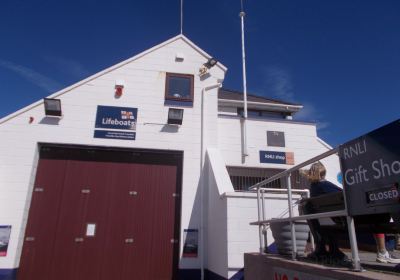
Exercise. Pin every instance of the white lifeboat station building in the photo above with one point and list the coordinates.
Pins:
(142, 171)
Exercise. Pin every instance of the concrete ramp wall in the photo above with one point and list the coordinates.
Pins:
(272, 267)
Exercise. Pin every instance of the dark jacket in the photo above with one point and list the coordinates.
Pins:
(323, 187)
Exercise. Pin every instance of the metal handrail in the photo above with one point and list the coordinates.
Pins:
(294, 168)
(300, 191)
(262, 222)
(331, 214)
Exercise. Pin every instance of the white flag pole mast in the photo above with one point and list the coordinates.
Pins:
(181, 16)
(245, 153)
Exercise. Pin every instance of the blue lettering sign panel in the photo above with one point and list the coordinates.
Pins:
(122, 121)
(272, 157)
(116, 117)
(371, 171)
(276, 157)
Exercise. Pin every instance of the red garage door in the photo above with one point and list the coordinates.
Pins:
(103, 215)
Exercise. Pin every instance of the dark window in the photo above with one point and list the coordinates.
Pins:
(276, 138)
(252, 113)
(179, 87)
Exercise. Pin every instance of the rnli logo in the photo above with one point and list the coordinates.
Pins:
(127, 115)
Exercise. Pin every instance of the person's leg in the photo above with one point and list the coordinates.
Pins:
(309, 247)
(315, 229)
(380, 242)
(383, 255)
(319, 240)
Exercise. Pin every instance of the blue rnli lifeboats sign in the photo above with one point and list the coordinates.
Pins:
(122, 121)
(371, 171)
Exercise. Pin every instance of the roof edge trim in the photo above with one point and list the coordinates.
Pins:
(201, 51)
(324, 143)
(294, 108)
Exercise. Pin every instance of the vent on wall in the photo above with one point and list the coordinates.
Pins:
(243, 178)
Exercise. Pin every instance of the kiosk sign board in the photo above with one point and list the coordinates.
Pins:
(371, 171)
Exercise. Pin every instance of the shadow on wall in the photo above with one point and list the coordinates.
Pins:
(215, 244)
(50, 121)
(238, 276)
(170, 128)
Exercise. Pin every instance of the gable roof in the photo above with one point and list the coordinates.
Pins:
(114, 67)
(232, 98)
(228, 94)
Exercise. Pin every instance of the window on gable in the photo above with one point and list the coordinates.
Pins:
(179, 87)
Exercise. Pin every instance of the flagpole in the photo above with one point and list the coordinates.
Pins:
(245, 152)
(181, 16)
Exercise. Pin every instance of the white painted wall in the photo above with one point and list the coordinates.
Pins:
(229, 234)
(144, 89)
(242, 210)
(218, 182)
(300, 138)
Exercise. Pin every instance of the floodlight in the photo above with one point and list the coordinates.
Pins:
(52, 107)
(210, 63)
(175, 116)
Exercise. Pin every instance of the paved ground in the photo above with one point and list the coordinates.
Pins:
(368, 262)
(273, 266)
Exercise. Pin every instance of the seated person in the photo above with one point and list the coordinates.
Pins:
(326, 244)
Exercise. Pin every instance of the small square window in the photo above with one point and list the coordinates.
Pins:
(276, 138)
(179, 87)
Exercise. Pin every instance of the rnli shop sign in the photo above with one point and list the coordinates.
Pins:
(116, 123)
(277, 157)
(371, 171)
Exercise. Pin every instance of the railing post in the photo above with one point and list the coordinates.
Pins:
(353, 244)
(309, 233)
(264, 227)
(292, 224)
(352, 232)
(259, 219)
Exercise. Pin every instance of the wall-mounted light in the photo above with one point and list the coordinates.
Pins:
(119, 86)
(52, 107)
(211, 63)
(175, 116)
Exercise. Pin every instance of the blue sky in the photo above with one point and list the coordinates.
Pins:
(340, 59)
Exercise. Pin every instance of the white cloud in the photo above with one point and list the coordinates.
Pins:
(32, 76)
(279, 83)
(68, 66)
(310, 113)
